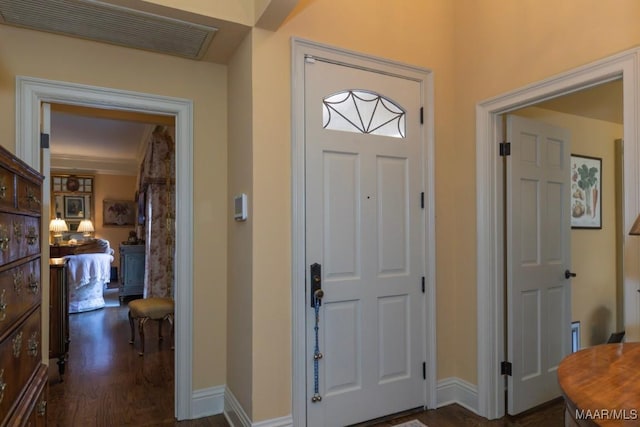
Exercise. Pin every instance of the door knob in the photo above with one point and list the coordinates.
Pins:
(568, 274)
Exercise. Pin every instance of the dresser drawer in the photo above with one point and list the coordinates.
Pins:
(32, 409)
(20, 355)
(20, 290)
(7, 188)
(29, 196)
(38, 417)
(29, 243)
(19, 237)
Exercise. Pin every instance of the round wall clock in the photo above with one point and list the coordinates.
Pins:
(73, 184)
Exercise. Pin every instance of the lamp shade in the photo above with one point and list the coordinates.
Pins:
(86, 226)
(635, 228)
(58, 225)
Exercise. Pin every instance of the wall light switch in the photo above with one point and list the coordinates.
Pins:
(240, 207)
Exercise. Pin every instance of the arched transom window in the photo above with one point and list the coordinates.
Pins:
(363, 112)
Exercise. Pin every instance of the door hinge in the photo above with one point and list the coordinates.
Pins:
(505, 368)
(422, 200)
(421, 115)
(44, 140)
(423, 281)
(505, 148)
(424, 370)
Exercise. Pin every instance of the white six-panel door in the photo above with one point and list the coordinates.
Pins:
(538, 253)
(364, 226)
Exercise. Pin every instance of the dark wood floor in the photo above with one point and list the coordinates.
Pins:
(108, 384)
(548, 415)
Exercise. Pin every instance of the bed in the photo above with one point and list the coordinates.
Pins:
(87, 275)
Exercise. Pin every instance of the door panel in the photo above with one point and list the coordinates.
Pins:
(342, 211)
(365, 227)
(538, 253)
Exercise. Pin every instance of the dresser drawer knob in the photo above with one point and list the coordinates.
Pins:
(17, 231)
(4, 240)
(42, 408)
(32, 345)
(32, 200)
(3, 191)
(17, 345)
(18, 281)
(34, 285)
(32, 236)
(3, 385)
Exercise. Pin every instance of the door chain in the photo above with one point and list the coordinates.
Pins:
(317, 297)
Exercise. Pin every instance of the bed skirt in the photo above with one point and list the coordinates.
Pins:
(86, 298)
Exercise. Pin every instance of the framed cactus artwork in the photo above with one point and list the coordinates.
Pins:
(586, 192)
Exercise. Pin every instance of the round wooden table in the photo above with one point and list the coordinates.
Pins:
(601, 385)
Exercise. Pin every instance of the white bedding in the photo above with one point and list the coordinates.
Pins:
(87, 268)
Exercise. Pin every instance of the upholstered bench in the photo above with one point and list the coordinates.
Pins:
(150, 308)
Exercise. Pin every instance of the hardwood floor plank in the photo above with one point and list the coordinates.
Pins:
(108, 384)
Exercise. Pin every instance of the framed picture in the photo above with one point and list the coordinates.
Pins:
(74, 207)
(586, 192)
(118, 212)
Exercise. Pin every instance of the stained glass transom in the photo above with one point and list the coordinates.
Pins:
(363, 112)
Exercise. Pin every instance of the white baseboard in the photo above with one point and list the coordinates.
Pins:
(207, 402)
(237, 417)
(455, 390)
(233, 411)
(216, 400)
(276, 422)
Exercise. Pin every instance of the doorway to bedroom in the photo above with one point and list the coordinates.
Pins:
(32, 94)
(105, 152)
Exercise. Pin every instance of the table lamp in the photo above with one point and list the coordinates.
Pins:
(57, 226)
(86, 228)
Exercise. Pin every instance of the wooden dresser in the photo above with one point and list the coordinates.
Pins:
(131, 270)
(23, 376)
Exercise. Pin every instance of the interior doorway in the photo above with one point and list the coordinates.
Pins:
(594, 117)
(32, 93)
(491, 311)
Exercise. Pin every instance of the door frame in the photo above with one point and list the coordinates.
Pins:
(300, 50)
(490, 203)
(32, 92)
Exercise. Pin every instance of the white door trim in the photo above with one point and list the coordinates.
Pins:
(490, 281)
(30, 92)
(301, 48)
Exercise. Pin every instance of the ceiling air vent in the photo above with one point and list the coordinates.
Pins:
(107, 23)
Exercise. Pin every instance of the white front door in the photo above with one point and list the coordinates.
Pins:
(365, 228)
(538, 254)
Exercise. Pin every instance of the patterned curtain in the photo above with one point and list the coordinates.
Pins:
(157, 181)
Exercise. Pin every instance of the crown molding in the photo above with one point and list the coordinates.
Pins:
(95, 165)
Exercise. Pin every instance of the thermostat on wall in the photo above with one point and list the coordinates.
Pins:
(240, 207)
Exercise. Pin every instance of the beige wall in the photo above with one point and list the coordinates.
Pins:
(477, 50)
(502, 45)
(240, 353)
(37, 54)
(331, 22)
(593, 252)
(112, 187)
